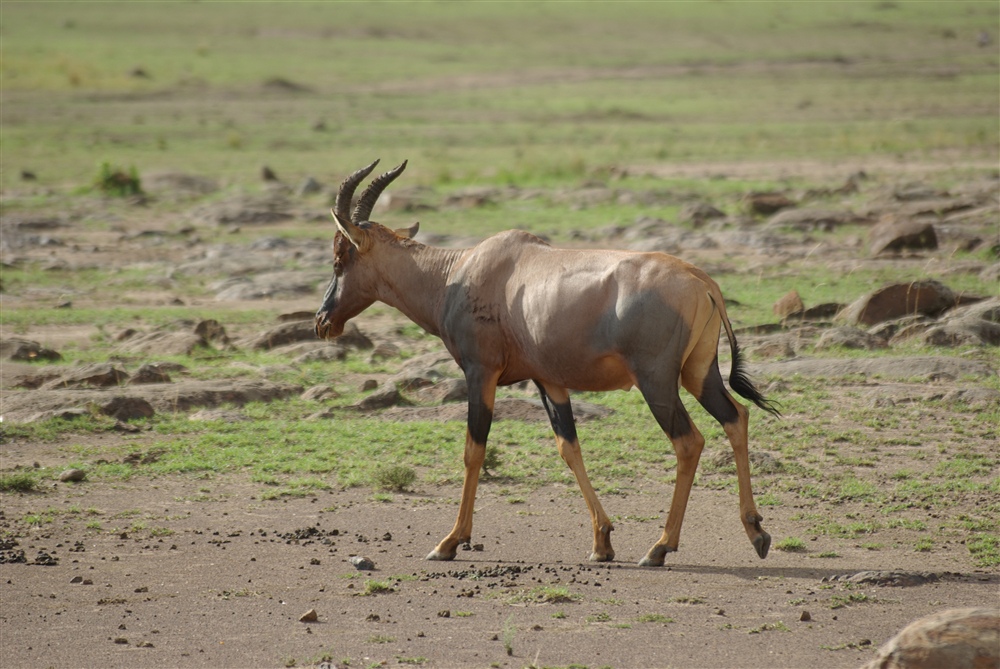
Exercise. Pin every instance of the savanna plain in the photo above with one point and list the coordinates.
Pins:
(190, 479)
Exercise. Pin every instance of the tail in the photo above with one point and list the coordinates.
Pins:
(739, 380)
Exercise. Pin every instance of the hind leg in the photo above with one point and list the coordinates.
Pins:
(688, 442)
(704, 381)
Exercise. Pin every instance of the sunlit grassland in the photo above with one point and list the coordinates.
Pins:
(488, 92)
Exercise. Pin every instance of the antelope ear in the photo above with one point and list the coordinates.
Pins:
(410, 232)
(357, 236)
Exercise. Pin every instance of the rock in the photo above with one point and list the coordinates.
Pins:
(928, 367)
(177, 183)
(448, 390)
(790, 303)
(819, 312)
(27, 351)
(309, 616)
(805, 617)
(778, 346)
(223, 415)
(696, 213)
(362, 563)
(309, 187)
(809, 220)
(45, 560)
(320, 351)
(212, 331)
(384, 350)
(72, 476)
(896, 300)
(127, 408)
(386, 396)
(268, 285)
(148, 374)
(963, 332)
(245, 210)
(956, 639)
(765, 204)
(102, 374)
(164, 343)
(849, 337)
(175, 397)
(283, 334)
(891, 236)
(763, 462)
(974, 398)
(889, 578)
(352, 337)
(320, 393)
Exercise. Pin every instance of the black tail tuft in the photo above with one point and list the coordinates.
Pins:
(741, 383)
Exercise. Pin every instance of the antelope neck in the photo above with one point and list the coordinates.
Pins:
(415, 279)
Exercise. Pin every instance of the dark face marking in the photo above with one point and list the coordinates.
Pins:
(344, 254)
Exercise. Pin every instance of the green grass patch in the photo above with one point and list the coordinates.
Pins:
(18, 482)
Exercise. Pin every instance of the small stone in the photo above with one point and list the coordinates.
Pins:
(121, 640)
(76, 579)
(72, 475)
(144, 644)
(309, 616)
(790, 304)
(362, 563)
(805, 617)
(444, 614)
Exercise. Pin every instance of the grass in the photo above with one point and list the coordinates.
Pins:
(18, 482)
(790, 545)
(394, 477)
(376, 587)
(802, 80)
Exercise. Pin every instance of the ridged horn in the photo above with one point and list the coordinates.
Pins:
(375, 188)
(346, 192)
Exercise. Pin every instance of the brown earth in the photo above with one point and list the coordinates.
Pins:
(218, 577)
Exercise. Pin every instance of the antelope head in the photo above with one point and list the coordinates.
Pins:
(356, 265)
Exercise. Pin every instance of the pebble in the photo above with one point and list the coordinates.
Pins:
(72, 475)
(309, 616)
(362, 563)
(805, 617)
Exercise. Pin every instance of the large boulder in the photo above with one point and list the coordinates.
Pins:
(893, 301)
(892, 235)
(956, 639)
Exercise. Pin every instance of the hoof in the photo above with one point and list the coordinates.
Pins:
(440, 557)
(596, 557)
(655, 557)
(762, 544)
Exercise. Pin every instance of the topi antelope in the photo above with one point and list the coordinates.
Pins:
(513, 308)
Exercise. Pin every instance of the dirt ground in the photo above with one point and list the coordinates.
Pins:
(228, 586)
(226, 577)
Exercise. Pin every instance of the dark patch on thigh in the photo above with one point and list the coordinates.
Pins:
(672, 420)
(715, 399)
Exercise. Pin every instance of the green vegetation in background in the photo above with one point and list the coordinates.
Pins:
(488, 92)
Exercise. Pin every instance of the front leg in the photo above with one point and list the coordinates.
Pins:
(482, 393)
